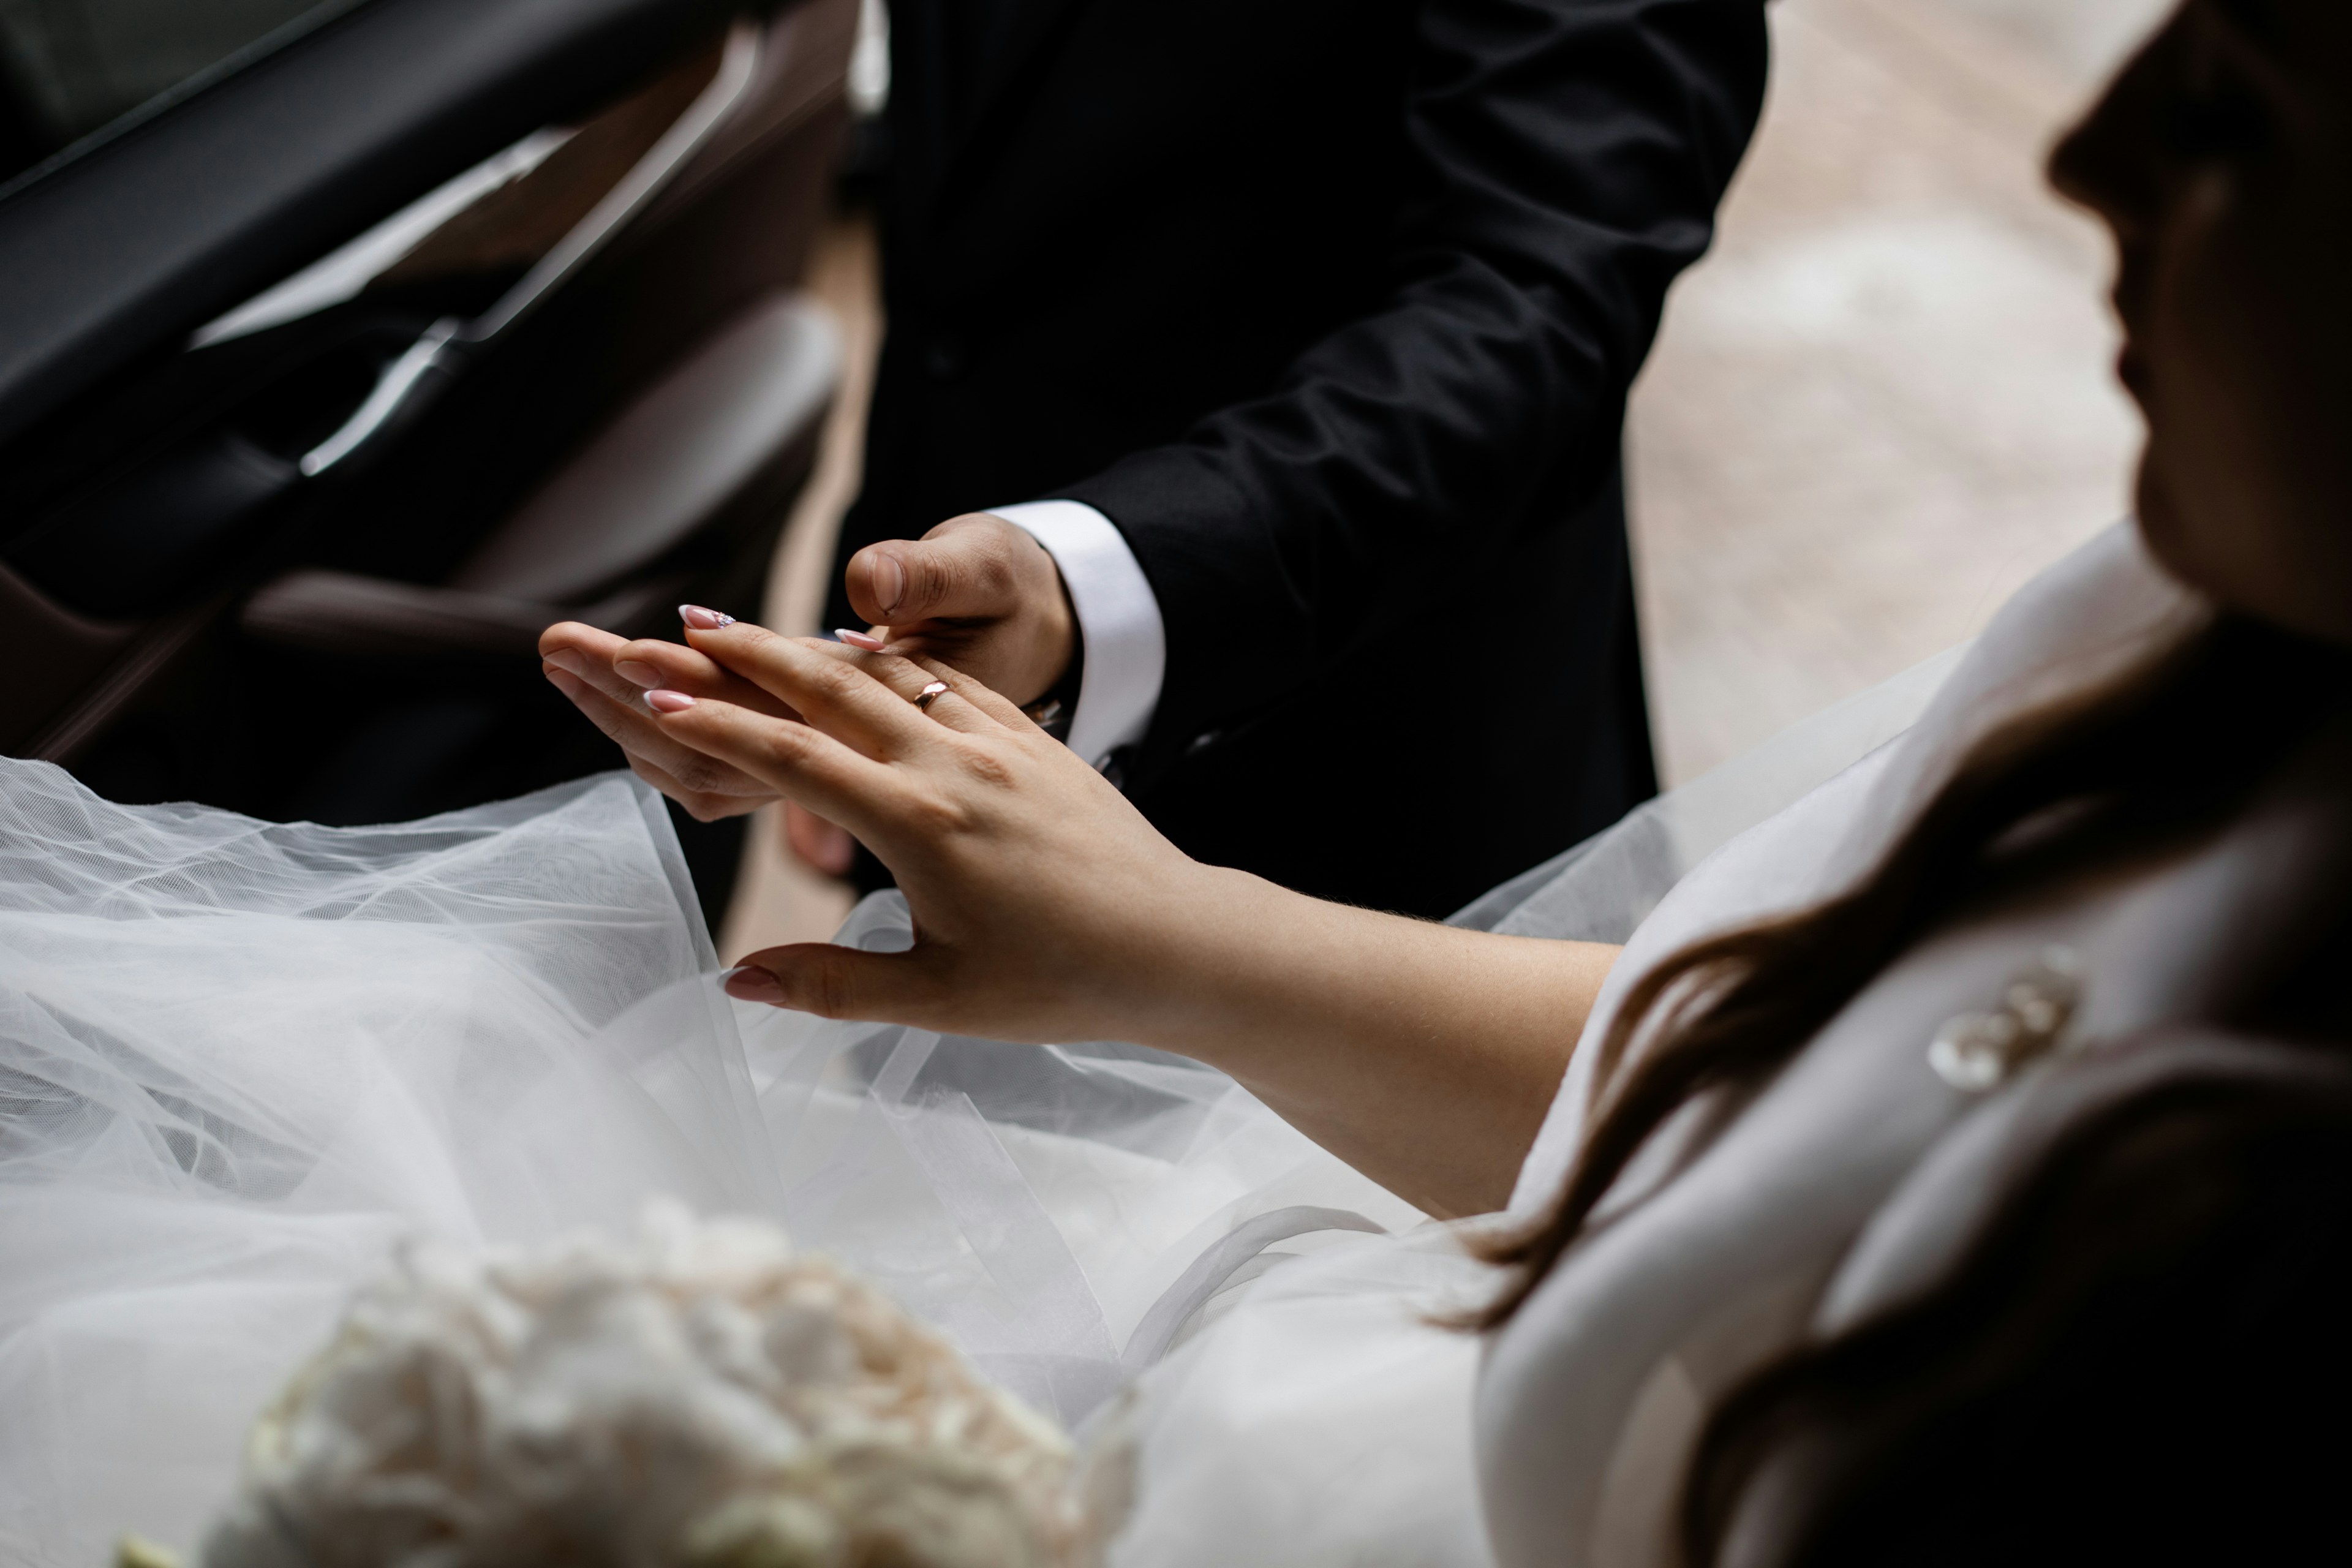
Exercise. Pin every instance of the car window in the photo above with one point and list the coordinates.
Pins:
(72, 67)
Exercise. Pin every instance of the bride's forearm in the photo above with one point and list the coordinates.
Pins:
(1423, 1054)
(1047, 907)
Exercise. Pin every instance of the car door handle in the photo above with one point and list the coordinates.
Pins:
(408, 384)
(400, 392)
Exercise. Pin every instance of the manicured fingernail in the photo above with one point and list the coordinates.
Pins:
(571, 663)
(889, 581)
(638, 672)
(866, 640)
(703, 620)
(747, 984)
(668, 702)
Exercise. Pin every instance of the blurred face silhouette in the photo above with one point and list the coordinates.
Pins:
(2222, 159)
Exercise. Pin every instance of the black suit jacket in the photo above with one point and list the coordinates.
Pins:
(1331, 307)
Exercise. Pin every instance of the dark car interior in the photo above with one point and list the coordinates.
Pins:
(344, 346)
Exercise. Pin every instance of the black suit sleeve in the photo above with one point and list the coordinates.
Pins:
(1564, 163)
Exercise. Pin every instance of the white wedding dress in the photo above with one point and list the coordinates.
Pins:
(239, 1062)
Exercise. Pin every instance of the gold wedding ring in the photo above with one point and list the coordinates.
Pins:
(929, 694)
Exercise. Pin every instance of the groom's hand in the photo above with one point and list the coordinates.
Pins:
(976, 592)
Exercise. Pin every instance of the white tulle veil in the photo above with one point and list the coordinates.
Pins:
(239, 1061)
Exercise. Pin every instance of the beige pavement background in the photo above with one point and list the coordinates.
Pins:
(1885, 400)
(1879, 406)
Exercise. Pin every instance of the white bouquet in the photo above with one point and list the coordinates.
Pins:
(701, 1397)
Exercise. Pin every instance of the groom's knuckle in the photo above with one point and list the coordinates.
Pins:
(992, 569)
(932, 575)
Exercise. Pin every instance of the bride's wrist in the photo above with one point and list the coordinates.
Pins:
(1213, 966)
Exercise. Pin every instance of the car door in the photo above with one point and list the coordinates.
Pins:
(344, 345)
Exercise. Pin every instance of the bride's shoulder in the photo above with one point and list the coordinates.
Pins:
(2096, 613)
(2093, 614)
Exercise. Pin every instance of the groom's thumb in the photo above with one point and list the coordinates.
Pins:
(835, 982)
(963, 568)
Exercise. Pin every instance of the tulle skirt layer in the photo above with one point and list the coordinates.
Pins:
(240, 1063)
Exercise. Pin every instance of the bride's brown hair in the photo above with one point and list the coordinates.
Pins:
(2085, 784)
(2094, 780)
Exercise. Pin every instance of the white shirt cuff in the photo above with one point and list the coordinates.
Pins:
(1126, 643)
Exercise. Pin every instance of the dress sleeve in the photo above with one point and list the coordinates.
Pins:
(1564, 163)
(1790, 858)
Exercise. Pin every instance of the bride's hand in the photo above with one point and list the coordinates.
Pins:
(606, 679)
(1046, 907)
